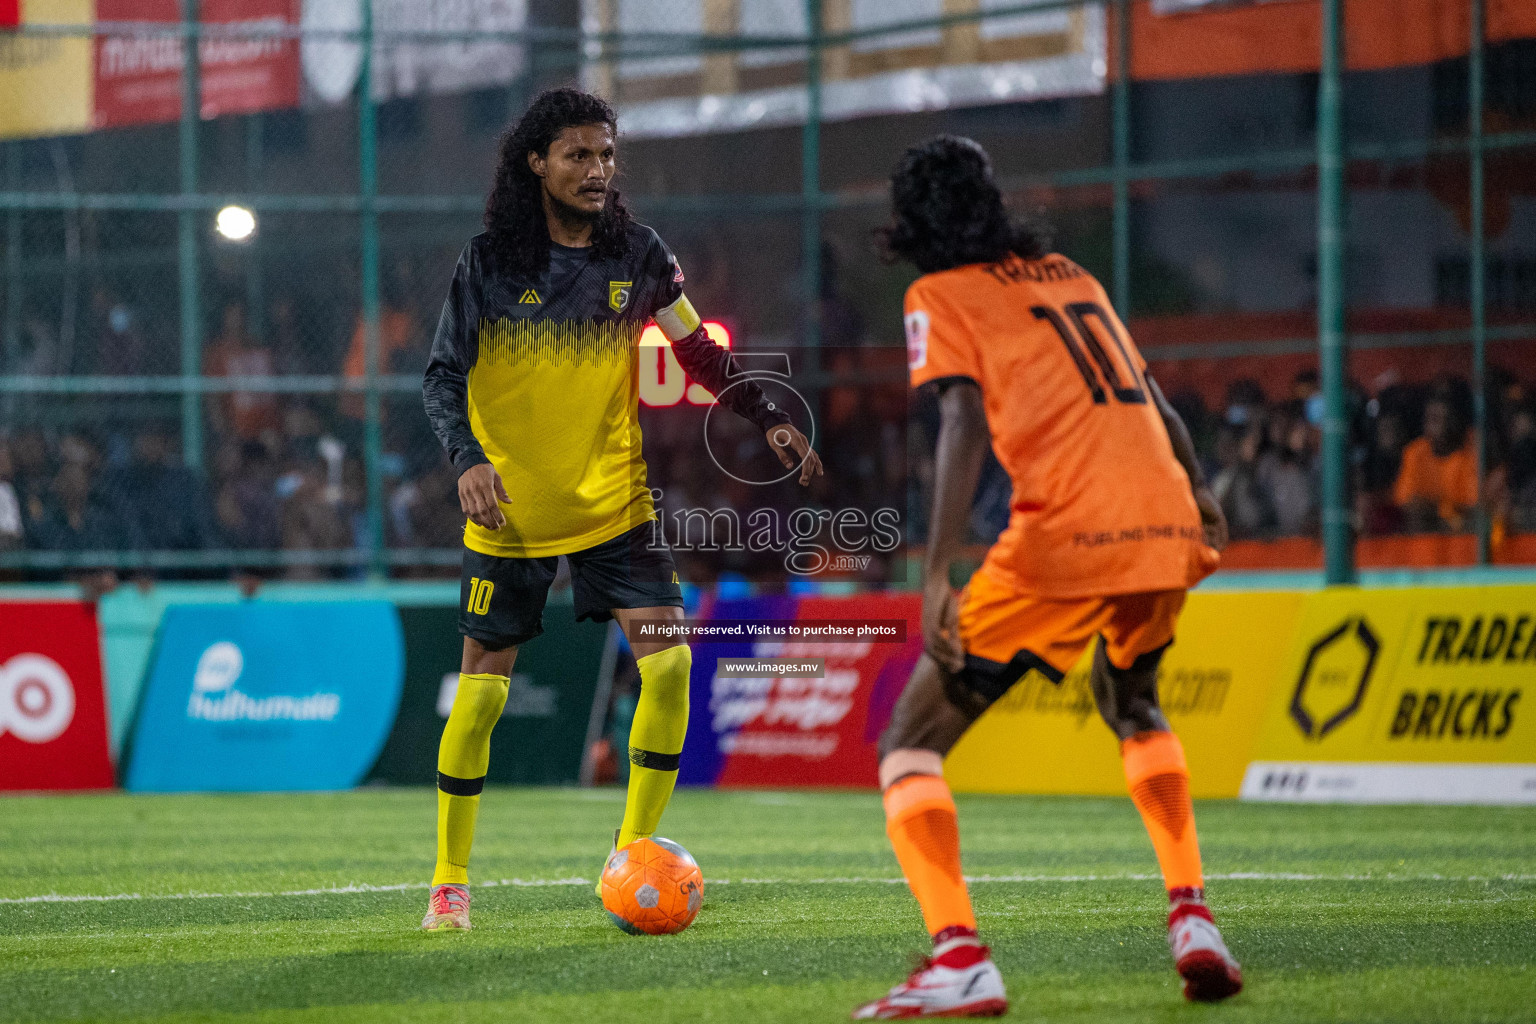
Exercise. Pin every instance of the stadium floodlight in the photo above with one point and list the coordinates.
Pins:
(235, 223)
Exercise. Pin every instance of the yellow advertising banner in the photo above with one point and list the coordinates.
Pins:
(1215, 682)
(1405, 695)
(45, 81)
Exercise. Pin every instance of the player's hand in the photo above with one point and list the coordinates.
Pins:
(941, 626)
(793, 449)
(481, 493)
(1212, 517)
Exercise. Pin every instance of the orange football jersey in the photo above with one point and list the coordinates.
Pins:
(1100, 504)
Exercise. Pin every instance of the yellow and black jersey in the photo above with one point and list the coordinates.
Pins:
(537, 374)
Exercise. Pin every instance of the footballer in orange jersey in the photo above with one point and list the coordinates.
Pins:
(1111, 522)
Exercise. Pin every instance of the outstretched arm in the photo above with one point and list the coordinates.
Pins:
(1184, 450)
(713, 368)
(962, 448)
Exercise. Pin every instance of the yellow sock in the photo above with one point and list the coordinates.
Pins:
(462, 760)
(656, 739)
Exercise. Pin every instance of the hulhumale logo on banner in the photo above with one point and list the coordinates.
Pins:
(260, 696)
(215, 699)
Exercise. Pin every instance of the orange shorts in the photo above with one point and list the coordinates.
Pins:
(1009, 627)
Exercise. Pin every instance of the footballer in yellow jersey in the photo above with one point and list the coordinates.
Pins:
(533, 389)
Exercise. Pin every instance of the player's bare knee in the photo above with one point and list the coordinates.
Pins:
(926, 716)
(898, 764)
(482, 658)
(899, 734)
(935, 733)
(1127, 697)
(1136, 716)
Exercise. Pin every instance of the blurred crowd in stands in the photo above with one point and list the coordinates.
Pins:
(284, 470)
(1412, 451)
(281, 470)
(1412, 457)
(297, 489)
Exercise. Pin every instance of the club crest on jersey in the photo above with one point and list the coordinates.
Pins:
(618, 295)
(530, 298)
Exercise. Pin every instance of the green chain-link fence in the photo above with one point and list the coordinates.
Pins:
(175, 401)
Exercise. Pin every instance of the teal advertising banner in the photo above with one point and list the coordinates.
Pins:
(260, 696)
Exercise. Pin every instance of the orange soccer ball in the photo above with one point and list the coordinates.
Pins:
(652, 887)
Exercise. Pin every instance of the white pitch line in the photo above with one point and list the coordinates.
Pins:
(544, 883)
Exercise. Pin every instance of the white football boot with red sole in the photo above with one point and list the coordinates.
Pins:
(1209, 970)
(934, 990)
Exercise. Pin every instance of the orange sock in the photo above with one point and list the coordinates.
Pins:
(1159, 783)
(920, 819)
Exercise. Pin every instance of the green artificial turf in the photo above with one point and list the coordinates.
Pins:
(1338, 913)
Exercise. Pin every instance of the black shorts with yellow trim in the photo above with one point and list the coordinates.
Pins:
(501, 600)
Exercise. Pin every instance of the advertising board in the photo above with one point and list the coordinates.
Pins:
(53, 709)
(1215, 684)
(1435, 677)
(267, 696)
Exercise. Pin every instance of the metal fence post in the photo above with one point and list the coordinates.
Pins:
(1338, 534)
(189, 275)
(810, 185)
(368, 187)
(1121, 143)
(12, 329)
(1477, 270)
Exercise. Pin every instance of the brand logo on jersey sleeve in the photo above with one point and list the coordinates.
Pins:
(917, 339)
(530, 298)
(618, 295)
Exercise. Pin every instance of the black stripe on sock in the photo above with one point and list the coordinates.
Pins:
(460, 787)
(650, 759)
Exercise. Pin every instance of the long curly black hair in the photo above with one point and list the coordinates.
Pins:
(948, 211)
(514, 211)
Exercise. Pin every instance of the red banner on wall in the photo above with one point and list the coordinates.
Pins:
(138, 76)
(10, 13)
(53, 710)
